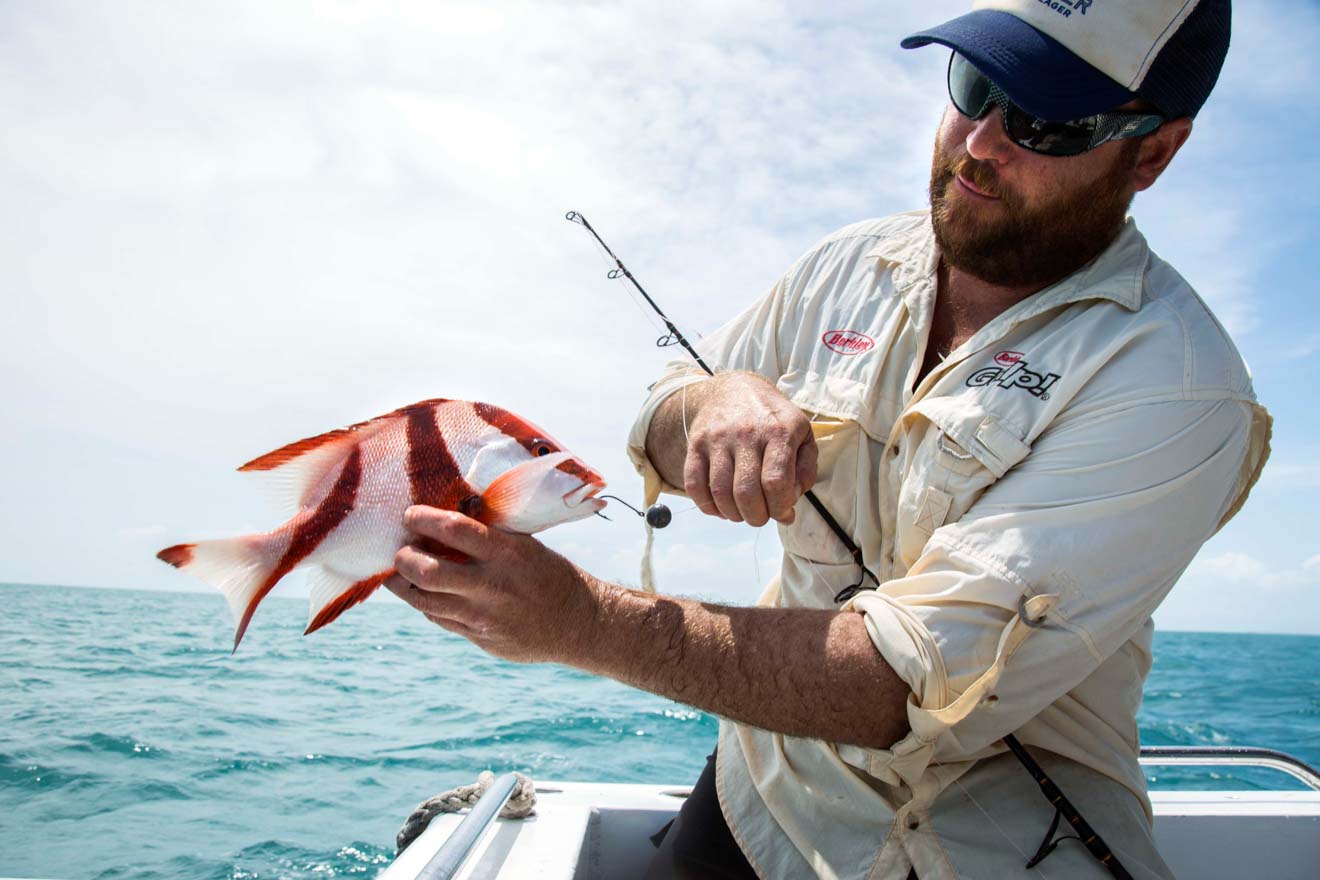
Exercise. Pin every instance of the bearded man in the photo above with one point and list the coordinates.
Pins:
(1025, 421)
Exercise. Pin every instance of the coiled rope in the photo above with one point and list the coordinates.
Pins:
(520, 805)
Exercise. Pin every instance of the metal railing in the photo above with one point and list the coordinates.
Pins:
(1234, 756)
(459, 845)
(452, 854)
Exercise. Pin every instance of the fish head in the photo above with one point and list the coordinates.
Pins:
(542, 492)
(527, 479)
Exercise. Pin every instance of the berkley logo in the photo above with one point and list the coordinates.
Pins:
(1012, 372)
(847, 342)
(1008, 358)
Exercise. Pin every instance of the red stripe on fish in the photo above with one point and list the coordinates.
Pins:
(575, 469)
(533, 439)
(308, 534)
(178, 556)
(433, 475)
(529, 437)
(354, 595)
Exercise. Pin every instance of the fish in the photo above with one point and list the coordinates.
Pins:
(349, 488)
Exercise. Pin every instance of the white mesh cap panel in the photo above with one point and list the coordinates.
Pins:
(1120, 38)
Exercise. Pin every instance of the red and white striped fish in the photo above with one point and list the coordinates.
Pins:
(351, 486)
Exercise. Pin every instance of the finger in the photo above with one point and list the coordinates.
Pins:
(453, 626)
(452, 529)
(445, 606)
(721, 486)
(696, 482)
(806, 463)
(779, 480)
(443, 609)
(747, 491)
(430, 573)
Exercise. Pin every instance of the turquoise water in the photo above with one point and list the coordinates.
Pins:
(135, 745)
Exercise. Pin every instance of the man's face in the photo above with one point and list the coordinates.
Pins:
(1016, 218)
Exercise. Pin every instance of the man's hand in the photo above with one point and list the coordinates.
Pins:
(512, 597)
(750, 453)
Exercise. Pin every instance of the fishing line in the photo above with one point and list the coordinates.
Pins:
(676, 336)
(612, 271)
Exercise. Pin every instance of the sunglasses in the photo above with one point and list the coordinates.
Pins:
(973, 94)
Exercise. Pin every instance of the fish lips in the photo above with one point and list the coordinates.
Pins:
(586, 495)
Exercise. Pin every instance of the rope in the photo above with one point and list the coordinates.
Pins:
(520, 805)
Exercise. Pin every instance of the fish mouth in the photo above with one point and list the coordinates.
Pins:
(586, 495)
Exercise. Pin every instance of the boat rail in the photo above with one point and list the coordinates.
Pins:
(459, 845)
(1235, 756)
(464, 840)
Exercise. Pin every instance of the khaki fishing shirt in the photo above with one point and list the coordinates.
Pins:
(1026, 507)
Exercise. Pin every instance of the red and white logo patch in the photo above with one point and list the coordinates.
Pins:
(847, 342)
(1008, 358)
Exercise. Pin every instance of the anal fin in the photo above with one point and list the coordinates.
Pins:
(333, 594)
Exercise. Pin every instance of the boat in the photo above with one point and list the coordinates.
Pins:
(601, 831)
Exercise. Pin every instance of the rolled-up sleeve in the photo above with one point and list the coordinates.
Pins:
(1054, 567)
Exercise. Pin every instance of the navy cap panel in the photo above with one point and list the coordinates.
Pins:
(1037, 72)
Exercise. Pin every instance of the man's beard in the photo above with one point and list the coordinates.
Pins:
(1026, 245)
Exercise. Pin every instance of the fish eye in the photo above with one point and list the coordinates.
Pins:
(542, 449)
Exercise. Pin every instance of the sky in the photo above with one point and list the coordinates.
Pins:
(227, 226)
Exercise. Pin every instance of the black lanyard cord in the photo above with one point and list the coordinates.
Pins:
(1063, 807)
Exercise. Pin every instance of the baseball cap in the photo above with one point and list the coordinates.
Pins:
(1067, 59)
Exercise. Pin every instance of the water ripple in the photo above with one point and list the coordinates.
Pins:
(128, 719)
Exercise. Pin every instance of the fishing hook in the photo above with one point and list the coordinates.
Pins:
(657, 516)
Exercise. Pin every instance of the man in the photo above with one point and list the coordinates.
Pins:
(1026, 421)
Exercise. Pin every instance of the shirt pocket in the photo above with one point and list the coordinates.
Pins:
(956, 449)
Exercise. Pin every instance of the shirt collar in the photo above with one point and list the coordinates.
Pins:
(1118, 274)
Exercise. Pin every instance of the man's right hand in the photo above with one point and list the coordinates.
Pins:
(750, 453)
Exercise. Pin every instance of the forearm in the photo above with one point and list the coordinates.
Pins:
(802, 672)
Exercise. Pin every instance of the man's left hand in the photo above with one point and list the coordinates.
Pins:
(513, 597)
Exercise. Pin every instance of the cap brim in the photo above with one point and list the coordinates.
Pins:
(1036, 71)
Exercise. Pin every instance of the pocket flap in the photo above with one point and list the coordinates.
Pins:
(993, 442)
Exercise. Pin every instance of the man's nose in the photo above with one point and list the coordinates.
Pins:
(987, 140)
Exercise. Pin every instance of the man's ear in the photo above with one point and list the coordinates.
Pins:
(1157, 150)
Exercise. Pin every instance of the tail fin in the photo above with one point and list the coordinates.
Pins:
(239, 567)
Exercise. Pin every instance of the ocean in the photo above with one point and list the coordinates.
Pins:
(135, 747)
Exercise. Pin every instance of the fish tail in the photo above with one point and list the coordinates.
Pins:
(242, 568)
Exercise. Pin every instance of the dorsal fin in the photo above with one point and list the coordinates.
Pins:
(295, 469)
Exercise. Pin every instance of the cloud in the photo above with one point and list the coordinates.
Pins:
(1233, 591)
(1308, 346)
(1290, 476)
(1240, 569)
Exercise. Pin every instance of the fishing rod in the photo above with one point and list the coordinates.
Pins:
(658, 516)
(675, 336)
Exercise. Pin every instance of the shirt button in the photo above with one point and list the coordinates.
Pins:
(990, 700)
(914, 823)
